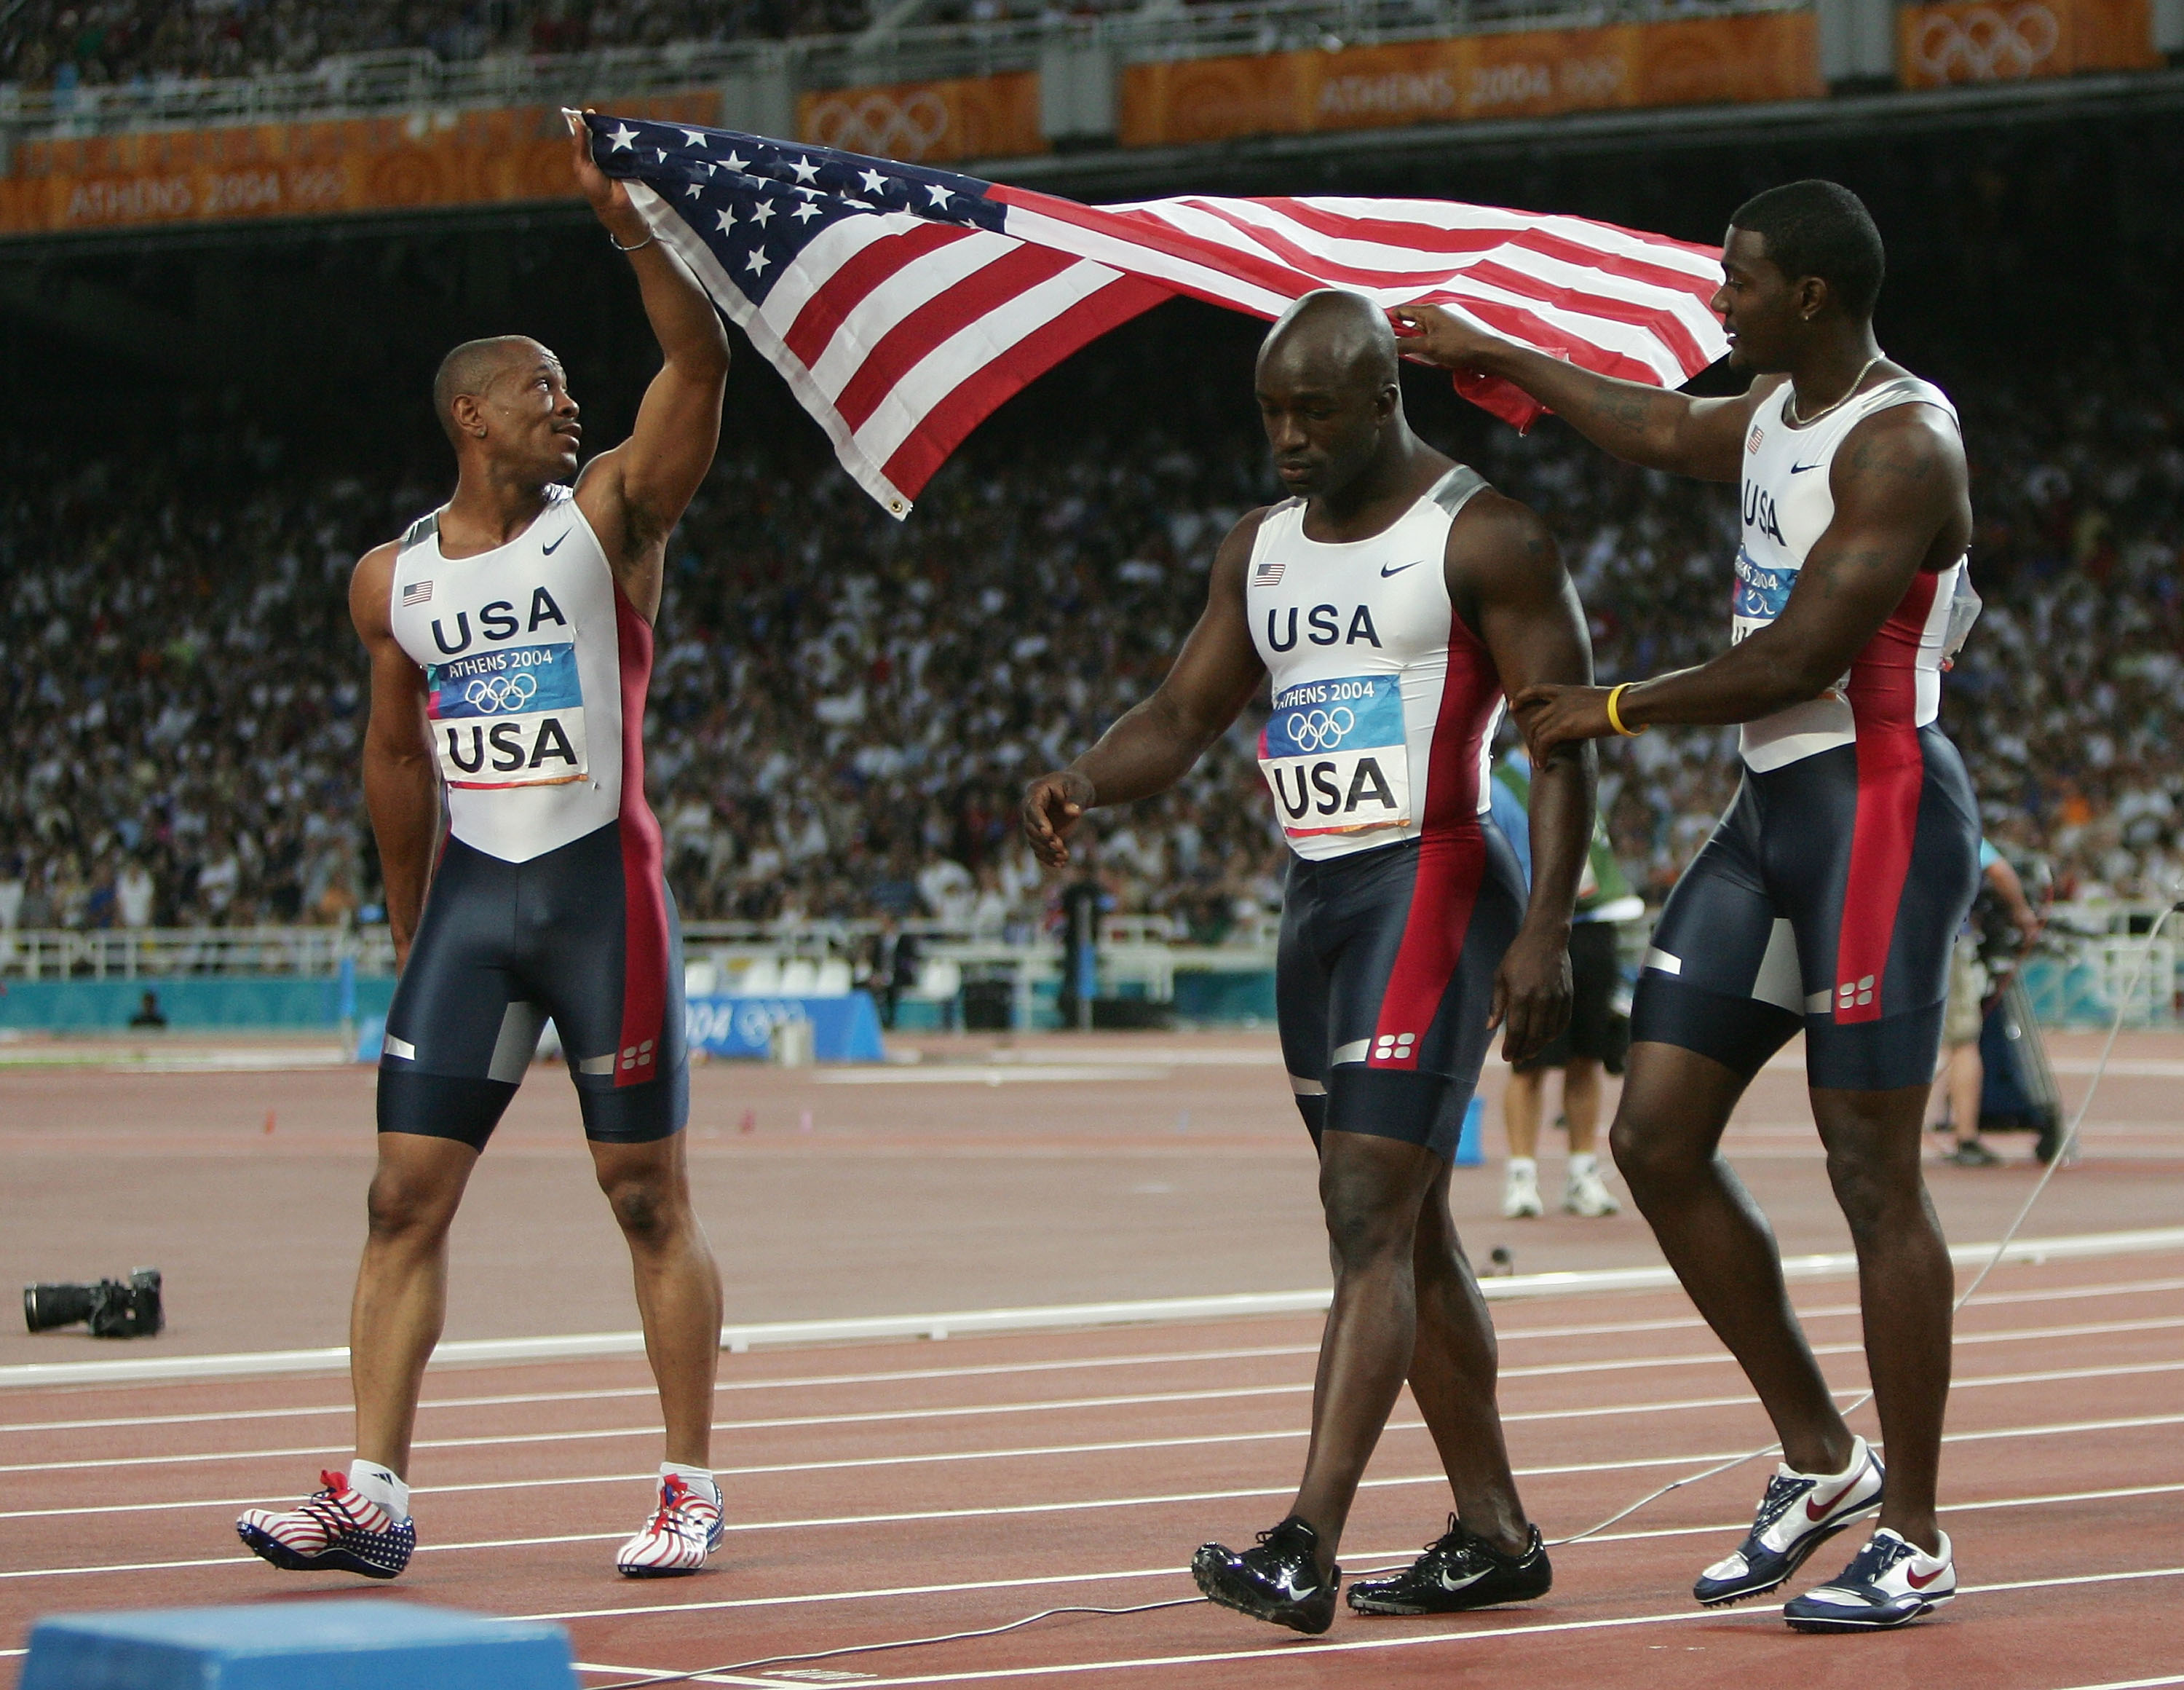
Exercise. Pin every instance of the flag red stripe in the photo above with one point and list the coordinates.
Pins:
(1142, 228)
(848, 286)
(969, 404)
(954, 309)
(1425, 237)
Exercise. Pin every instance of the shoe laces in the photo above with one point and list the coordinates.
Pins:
(676, 1493)
(1781, 1491)
(1871, 1563)
(340, 1507)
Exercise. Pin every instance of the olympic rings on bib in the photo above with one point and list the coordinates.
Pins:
(1320, 730)
(497, 693)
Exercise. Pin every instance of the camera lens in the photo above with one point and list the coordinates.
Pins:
(47, 1306)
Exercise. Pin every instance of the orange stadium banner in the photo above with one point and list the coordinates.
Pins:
(2008, 41)
(1529, 73)
(303, 169)
(928, 123)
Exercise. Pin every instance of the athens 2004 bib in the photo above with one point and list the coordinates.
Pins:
(511, 718)
(1332, 751)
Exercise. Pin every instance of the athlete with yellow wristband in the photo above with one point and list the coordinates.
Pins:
(1828, 901)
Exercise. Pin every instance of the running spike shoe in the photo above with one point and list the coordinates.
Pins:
(685, 1528)
(1280, 1582)
(1800, 1512)
(334, 1529)
(1458, 1571)
(1888, 1583)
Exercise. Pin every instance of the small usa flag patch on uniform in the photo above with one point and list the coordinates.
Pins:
(1751, 441)
(416, 593)
(1269, 571)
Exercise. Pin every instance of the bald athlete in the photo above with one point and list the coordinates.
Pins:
(510, 639)
(1391, 602)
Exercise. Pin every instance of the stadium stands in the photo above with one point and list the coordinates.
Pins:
(844, 707)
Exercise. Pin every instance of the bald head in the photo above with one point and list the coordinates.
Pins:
(472, 367)
(1333, 339)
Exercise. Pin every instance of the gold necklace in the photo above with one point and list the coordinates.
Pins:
(1797, 422)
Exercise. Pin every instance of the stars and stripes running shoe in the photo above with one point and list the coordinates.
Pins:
(684, 1529)
(1800, 1512)
(1888, 1583)
(1459, 1571)
(334, 1529)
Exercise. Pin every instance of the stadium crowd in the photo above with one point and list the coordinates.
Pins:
(844, 707)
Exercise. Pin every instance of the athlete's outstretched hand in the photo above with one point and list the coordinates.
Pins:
(1433, 336)
(1551, 715)
(1531, 993)
(1053, 804)
(610, 198)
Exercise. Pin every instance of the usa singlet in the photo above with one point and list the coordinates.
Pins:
(1402, 896)
(1830, 895)
(548, 901)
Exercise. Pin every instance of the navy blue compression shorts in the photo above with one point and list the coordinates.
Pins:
(1828, 900)
(1385, 978)
(577, 935)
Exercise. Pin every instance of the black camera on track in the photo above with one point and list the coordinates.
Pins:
(116, 1308)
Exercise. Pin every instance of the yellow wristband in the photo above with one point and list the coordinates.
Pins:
(1615, 716)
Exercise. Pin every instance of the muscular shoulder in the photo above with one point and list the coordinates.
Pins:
(1495, 534)
(1907, 452)
(371, 590)
(1236, 549)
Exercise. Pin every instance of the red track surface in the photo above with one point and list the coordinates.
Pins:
(888, 1492)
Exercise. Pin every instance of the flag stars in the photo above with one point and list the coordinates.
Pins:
(623, 139)
(696, 191)
(805, 170)
(727, 220)
(737, 161)
(805, 211)
(762, 214)
(941, 196)
(696, 137)
(874, 181)
(757, 262)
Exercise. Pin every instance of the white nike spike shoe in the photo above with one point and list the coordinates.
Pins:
(1800, 1512)
(1888, 1583)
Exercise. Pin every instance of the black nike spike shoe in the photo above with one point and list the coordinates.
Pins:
(1280, 1582)
(1458, 1571)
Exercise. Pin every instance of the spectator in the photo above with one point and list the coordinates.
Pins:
(134, 891)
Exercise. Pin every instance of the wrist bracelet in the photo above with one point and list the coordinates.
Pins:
(638, 248)
(1615, 716)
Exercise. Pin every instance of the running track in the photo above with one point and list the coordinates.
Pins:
(881, 1491)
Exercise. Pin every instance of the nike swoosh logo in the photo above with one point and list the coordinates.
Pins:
(557, 539)
(1799, 469)
(1917, 1583)
(1817, 1509)
(1385, 572)
(1448, 1583)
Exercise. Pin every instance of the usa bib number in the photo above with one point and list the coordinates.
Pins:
(511, 718)
(1333, 753)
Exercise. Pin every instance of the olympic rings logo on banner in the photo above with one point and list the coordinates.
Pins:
(493, 693)
(1320, 730)
(881, 124)
(1984, 44)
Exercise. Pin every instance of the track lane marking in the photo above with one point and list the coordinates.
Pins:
(1179, 1358)
(1292, 1651)
(1009, 1509)
(1552, 1371)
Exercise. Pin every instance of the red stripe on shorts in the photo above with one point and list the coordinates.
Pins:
(1892, 774)
(1452, 856)
(644, 898)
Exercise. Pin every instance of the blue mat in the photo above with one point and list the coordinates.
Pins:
(337, 1644)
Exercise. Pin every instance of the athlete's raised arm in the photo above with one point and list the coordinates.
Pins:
(1901, 501)
(1644, 424)
(634, 495)
(1507, 581)
(1154, 742)
(401, 787)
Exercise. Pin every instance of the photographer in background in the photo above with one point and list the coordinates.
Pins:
(1971, 984)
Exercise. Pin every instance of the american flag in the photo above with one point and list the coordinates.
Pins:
(416, 593)
(903, 304)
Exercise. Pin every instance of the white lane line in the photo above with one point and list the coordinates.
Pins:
(1266, 1653)
(2132, 1683)
(1012, 1509)
(1151, 1359)
(1675, 1405)
(1553, 1371)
